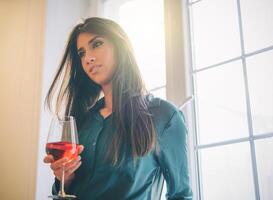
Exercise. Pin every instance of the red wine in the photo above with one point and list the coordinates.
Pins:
(62, 149)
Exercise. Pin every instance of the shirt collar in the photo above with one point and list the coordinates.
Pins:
(152, 102)
(99, 104)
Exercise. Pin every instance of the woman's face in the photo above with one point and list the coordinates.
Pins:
(97, 57)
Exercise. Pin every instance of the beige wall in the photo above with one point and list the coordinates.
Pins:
(176, 86)
(21, 39)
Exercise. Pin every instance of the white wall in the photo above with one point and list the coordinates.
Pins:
(61, 16)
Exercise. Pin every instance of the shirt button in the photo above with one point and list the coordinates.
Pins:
(94, 144)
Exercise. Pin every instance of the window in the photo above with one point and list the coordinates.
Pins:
(232, 66)
(143, 21)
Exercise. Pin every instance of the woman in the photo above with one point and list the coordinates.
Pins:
(131, 140)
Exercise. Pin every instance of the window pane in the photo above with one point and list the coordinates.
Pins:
(216, 32)
(260, 71)
(143, 20)
(257, 18)
(264, 149)
(226, 173)
(161, 93)
(221, 103)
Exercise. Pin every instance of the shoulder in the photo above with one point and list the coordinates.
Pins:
(162, 112)
(161, 107)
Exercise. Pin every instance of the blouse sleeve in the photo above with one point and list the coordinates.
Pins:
(172, 158)
(55, 186)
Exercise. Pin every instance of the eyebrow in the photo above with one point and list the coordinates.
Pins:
(90, 41)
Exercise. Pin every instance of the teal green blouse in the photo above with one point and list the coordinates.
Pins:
(139, 180)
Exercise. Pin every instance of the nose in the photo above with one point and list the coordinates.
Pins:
(89, 60)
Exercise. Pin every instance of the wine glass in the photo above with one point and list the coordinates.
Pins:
(62, 142)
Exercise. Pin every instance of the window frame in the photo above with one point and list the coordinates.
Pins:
(192, 111)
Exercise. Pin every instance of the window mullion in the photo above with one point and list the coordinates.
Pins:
(196, 174)
(249, 116)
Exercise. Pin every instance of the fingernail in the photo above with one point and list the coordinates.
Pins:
(79, 157)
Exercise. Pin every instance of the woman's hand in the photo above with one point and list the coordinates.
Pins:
(70, 167)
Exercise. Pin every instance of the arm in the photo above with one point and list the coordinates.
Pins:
(172, 158)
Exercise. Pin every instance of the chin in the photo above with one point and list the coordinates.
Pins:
(100, 80)
(105, 83)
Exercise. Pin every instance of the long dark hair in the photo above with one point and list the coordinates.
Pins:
(76, 92)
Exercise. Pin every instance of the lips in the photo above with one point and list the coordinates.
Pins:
(94, 69)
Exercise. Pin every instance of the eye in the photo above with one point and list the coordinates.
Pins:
(81, 53)
(97, 44)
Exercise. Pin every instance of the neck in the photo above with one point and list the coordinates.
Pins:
(107, 90)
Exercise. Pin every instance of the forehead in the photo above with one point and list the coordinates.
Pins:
(84, 38)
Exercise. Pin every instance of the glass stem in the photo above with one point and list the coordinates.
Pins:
(62, 193)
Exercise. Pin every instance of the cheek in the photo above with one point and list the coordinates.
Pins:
(111, 61)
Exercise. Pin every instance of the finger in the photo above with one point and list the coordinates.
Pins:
(72, 164)
(73, 169)
(48, 159)
(80, 150)
(57, 175)
(67, 173)
(55, 167)
(73, 161)
(58, 164)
